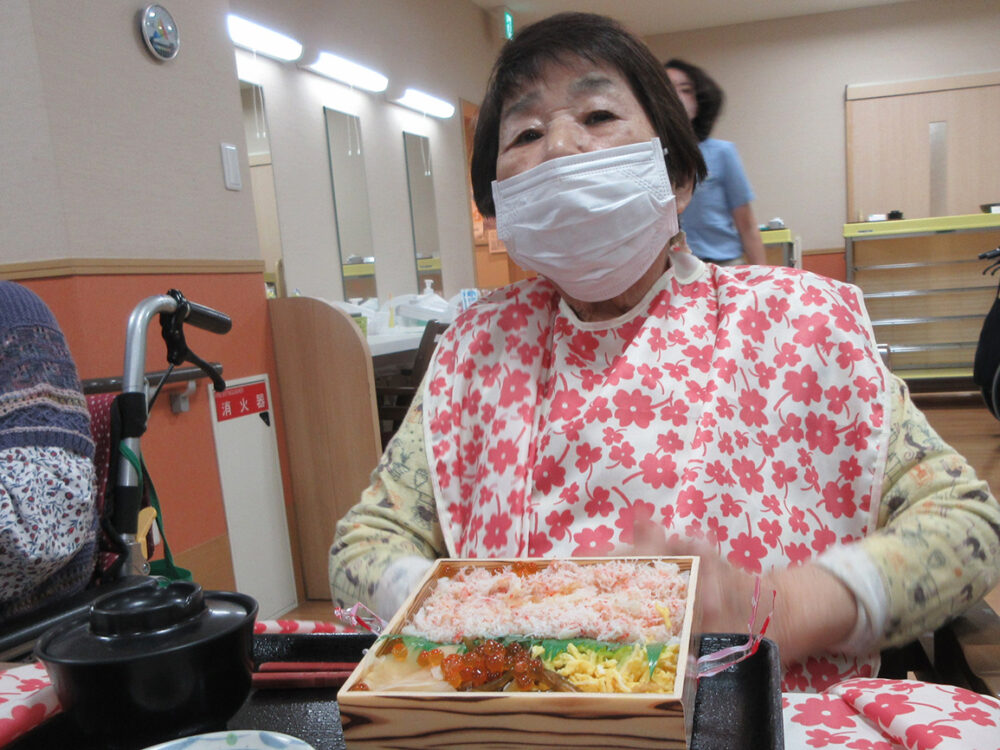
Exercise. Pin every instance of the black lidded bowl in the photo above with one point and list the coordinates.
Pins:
(153, 663)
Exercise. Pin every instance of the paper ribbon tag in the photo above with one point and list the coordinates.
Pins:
(727, 657)
(351, 615)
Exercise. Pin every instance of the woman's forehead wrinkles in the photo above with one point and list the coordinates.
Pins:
(587, 84)
(590, 83)
(524, 102)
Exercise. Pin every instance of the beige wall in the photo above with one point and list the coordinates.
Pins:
(443, 47)
(108, 153)
(785, 81)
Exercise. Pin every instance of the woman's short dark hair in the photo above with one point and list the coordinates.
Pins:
(598, 39)
(707, 93)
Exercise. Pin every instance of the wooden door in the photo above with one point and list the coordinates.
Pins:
(926, 148)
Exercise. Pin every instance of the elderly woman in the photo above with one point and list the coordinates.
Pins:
(634, 397)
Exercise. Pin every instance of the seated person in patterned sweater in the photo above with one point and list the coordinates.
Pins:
(634, 397)
(48, 518)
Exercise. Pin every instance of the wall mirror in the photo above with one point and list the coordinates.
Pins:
(423, 211)
(350, 204)
(262, 185)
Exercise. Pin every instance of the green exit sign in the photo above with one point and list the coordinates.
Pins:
(508, 24)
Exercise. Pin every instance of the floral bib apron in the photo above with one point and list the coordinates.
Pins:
(743, 405)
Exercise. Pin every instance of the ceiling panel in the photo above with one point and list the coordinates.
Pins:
(651, 17)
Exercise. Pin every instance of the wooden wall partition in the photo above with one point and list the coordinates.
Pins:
(327, 386)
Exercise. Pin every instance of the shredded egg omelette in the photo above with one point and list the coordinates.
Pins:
(600, 672)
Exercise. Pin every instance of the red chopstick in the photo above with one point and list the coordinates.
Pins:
(302, 674)
(299, 679)
(307, 666)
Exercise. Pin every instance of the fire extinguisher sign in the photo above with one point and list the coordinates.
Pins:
(241, 401)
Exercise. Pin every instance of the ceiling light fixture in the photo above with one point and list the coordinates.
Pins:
(345, 71)
(429, 105)
(262, 40)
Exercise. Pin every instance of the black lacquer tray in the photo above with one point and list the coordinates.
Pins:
(738, 709)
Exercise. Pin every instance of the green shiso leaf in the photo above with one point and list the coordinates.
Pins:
(551, 647)
(555, 646)
(653, 651)
(415, 643)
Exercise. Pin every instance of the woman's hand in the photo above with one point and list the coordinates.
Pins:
(725, 593)
(813, 610)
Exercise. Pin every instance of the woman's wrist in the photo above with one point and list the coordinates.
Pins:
(813, 611)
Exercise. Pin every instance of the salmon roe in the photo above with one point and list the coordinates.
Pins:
(490, 661)
(399, 650)
(523, 569)
(431, 658)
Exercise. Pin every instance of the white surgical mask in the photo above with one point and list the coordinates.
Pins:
(593, 222)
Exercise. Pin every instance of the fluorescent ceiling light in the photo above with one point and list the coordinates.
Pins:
(345, 71)
(248, 70)
(429, 105)
(262, 40)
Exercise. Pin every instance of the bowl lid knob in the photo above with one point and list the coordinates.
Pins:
(146, 608)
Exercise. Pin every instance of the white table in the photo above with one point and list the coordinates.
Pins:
(402, 338)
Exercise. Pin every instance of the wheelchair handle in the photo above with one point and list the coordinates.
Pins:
(207, 318)
(127, 488)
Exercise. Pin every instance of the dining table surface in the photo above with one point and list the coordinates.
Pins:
(739, 708)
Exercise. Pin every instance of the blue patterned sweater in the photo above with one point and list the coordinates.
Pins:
(51, 533)
(41, 403)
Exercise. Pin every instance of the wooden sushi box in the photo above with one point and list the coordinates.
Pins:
(578, 720)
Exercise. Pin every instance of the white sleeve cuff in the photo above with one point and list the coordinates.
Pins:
(855, 569)
(397, 583)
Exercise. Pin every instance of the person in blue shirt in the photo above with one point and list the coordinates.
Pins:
(719, 221)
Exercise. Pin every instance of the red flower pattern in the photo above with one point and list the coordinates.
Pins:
(826, 710)
(658, 471)
(716, 411)
(874, 714)
(593, 542)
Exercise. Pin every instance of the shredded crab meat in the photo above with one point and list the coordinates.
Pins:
(614, 601)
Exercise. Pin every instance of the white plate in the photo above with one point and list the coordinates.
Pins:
(236, 739)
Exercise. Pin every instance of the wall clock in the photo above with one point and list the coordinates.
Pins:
(159, 32)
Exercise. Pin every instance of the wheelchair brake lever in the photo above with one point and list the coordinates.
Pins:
(172, 327)
(992, 268)
(217, 381)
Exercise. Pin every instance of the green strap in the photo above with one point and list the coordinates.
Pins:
(140, 468)
(132, 459)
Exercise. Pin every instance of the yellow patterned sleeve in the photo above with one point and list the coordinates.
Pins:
(937, 543)
(395, 518)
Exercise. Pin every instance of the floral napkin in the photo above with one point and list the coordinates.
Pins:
(27, 698)
(873, 714)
